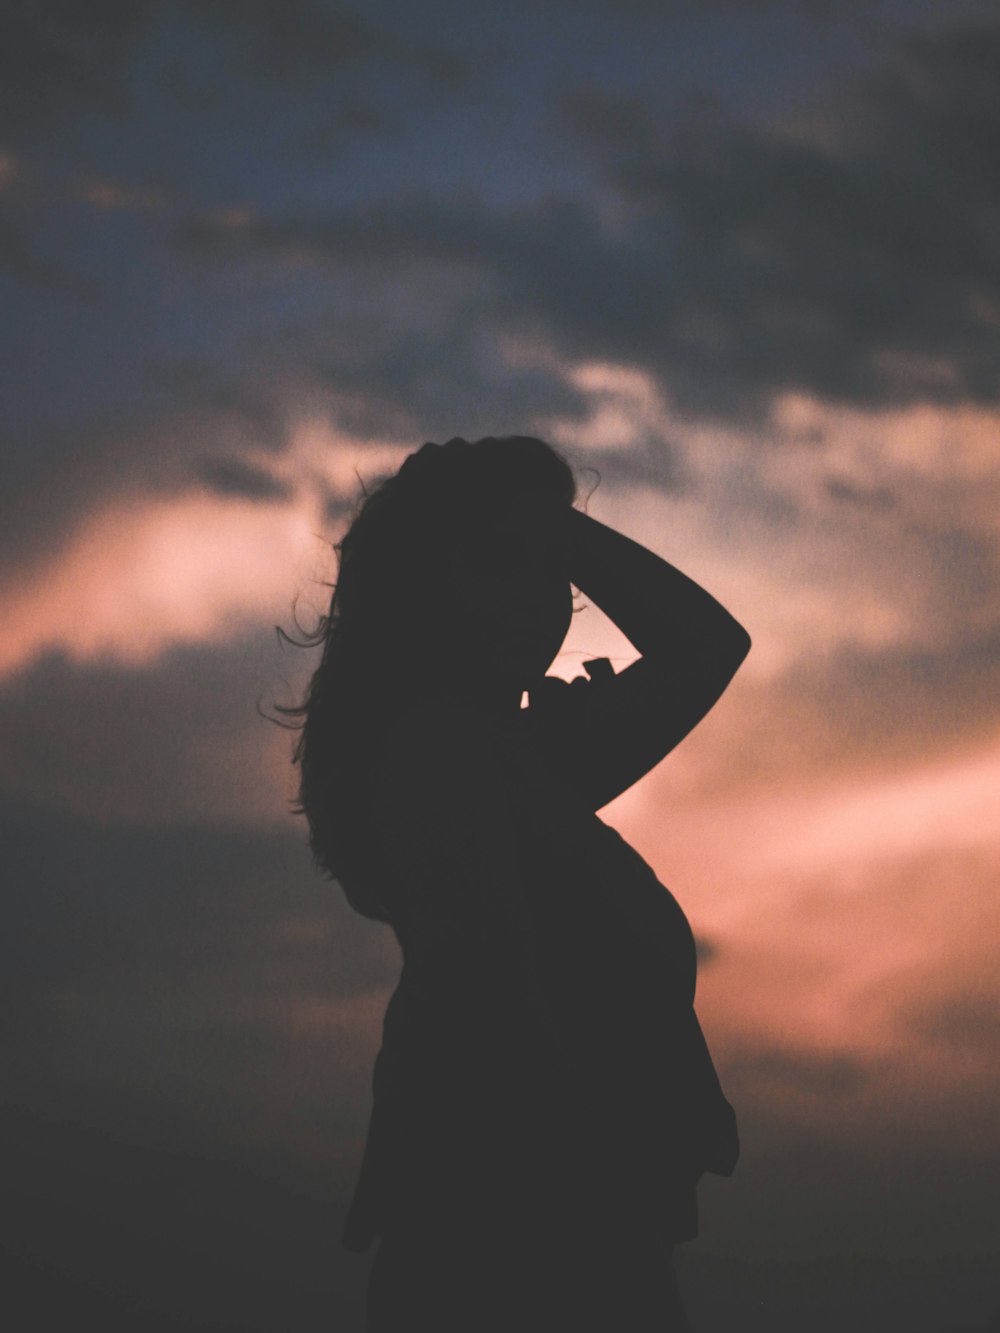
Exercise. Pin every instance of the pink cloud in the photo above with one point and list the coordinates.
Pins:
(145, 572)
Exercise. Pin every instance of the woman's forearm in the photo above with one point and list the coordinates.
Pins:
(663, 613)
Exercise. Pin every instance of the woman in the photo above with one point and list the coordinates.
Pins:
(544, 1102)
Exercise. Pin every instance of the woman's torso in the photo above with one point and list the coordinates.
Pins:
(612, 1120)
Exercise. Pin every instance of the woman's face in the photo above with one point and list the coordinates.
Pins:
(518, 600)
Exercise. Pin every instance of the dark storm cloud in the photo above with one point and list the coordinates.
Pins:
(416, 232)
(174, 724)
(844, 260)
(202, 386)
(856, 260)
(60, 60)
(82, 463)
(132, 1226)
(821, 10)
(354, 115)
(419, 367)
(650, 463)
(191, 425)
(544, 270)
(309, 39)
(164, 1103)
(549, 262)
(238, 917)
(21, 259)
(231, 476)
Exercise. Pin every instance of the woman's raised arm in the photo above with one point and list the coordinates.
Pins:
(662, 612)
(605, 735)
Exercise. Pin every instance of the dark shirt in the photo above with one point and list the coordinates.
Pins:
(473, 1112)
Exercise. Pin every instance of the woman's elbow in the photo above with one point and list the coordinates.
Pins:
(742, 643)
(716, 666)
(730, 655)
(732, 644)
(720, 652)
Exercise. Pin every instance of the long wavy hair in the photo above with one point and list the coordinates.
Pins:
(393, 620)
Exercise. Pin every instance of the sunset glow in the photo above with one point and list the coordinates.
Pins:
(739, 264)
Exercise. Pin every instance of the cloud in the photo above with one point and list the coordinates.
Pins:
(860, 549)
(186, 534)
(21, 259)
(232, 476)
(137, 576)
(204, 387)
(943, 805)
(961, 1021)
(833, 716)
(819, 11)
(355, 115)
(804, 1074)
(521, 268)
(856, 1008)
(871, 497)
(194, 423)
(706, 949)
(857, 264)
(186, 987)
(145, 1220)
(179, 738)
(239, 915)
(311, 40)
(861, 661)
(410, 364)
(59, 60)
(744, 261)
(626, 434)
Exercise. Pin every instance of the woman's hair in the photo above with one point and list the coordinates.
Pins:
(393, 618)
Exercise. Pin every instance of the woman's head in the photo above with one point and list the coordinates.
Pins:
(430, 566)
(435, 583)
(504, 599)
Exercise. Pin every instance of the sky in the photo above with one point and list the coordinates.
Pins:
(740, 262)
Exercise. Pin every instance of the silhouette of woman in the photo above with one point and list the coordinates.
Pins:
(543, 1100)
